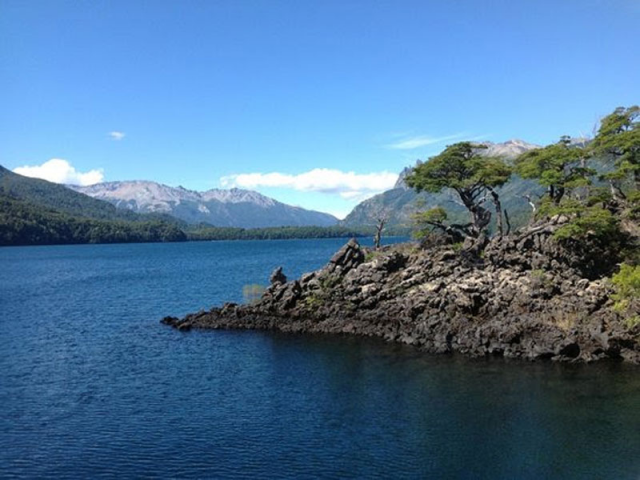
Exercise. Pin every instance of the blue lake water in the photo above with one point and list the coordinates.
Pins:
(93, 386)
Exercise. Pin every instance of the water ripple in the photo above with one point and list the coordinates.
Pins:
(93, 387)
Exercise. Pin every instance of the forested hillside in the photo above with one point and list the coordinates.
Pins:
(26, 223)
(37, 212)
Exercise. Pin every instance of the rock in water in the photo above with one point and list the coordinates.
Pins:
(278, 277)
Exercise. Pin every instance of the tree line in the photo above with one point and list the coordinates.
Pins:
(274, 233)
(27, 223)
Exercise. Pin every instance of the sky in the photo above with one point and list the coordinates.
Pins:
(316, 104)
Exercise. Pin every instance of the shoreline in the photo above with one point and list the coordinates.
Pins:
(523, 300)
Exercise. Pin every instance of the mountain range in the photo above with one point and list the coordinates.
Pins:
(222, 208)
(37, 212)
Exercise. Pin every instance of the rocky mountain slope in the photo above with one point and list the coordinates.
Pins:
(399, 203)
(222, 208)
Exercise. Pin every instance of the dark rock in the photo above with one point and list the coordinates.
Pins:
(442, 301)
(348, 257)
(277, 277)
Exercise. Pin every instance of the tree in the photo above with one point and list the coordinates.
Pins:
(380, 216)
(381, 220)
(462, 168)
(560, 167)
(619, 138)
(436, 217)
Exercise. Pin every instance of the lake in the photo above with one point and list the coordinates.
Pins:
(93, 386)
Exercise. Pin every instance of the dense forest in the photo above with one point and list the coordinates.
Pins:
(25, 223)
(37, 212)
(274, 233)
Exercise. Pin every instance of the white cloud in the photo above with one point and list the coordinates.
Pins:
(349, 185)
(418, 141)
(117, 136)
(58, 170)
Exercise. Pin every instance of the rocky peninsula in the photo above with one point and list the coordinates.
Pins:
(523, 296)
(565, 287)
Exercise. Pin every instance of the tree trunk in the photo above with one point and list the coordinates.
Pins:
(531, 204)
(480, 216)
(506, 219)
(616, 192)
(378, 235)
(481, 219)
(498, 207)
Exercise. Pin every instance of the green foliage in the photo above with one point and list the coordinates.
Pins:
(252, 293)
(313, 301)
(37, 212)
(63, 199)
(273, 233)
(462, 168)
(560, 167)
(329, 282)
(459, 167)
(634, 205)
(437, 214)
(619, 138)
(595, 222)
(25, 223)
(598, 195)
(425, 222)
(627, 285)
(457, 247)
(371, 255)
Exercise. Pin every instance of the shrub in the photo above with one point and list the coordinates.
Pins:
(252, 293)
(627, 296)
(594, 222)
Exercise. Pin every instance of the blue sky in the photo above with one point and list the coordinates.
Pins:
(317, 104)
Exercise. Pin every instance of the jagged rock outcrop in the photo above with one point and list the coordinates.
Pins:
(277, 277)
(525, 297)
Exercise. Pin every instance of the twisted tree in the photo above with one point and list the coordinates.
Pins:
(473, 177)
(560, 167)
(619, 138)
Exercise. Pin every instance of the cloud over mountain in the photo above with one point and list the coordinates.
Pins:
(348, 185)
(58, 170)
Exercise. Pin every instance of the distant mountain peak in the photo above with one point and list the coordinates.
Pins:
(510, 149)
(233, 207)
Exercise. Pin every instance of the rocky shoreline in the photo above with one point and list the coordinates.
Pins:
(524, 296)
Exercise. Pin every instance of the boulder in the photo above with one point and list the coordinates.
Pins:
(277, 277)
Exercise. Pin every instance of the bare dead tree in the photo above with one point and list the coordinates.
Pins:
(531, 203)
(381, 220)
